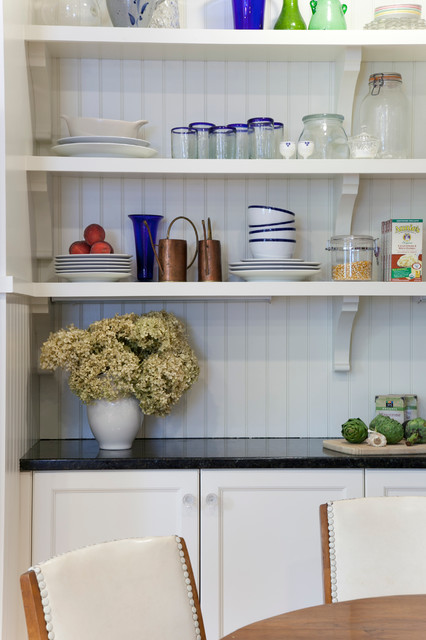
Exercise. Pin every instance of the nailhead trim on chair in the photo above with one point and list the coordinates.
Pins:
(331, 544)
(44, 601)
(189, 589)
(47, 610)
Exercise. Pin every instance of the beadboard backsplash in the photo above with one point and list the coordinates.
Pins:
(266, 366)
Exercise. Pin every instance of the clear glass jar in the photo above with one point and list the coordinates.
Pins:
(385, 113)
(352, 257)
(326, 132)
(70, 12)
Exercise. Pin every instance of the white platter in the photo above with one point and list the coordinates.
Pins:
(93, 276)
(108, 139)
(104, 150)
(274, 274)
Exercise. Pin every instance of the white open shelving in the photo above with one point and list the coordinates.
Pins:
(213, 290)
(169, 167)
(225, 44)
(348, 49)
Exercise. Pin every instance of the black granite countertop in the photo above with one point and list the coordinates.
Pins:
(206, 453)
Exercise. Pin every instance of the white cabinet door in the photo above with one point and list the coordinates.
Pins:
(76, 508)
(260, 541)
(395, 482)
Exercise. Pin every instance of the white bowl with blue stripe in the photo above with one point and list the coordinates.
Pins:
(268, 248)
(259, 215)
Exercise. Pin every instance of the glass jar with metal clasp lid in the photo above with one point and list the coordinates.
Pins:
(352, 257)
(323, 136)
(385, 113)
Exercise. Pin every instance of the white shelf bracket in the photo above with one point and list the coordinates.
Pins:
(348, 194)
(38, 186)
(349, 67)
(343, 333)
(39, 64)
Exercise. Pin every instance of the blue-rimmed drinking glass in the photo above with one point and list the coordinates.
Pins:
(183, 142)
(202, 129)
(241, 139)
(261, 138)
(278, 136)
(222, 143)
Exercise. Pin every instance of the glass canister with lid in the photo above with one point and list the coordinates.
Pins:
(328, 137)
(385, 113)
(352, 257)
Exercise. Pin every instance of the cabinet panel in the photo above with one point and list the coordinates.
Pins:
(79, 508)
(260, 541)
(395, 482)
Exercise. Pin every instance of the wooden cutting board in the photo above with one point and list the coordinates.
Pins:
(362, 449)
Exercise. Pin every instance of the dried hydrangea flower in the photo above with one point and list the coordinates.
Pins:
(147, 356)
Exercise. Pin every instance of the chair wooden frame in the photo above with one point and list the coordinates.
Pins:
(326, 570)
(33, 608)
(34, 616)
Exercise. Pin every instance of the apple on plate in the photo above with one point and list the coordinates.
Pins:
(94, 233)
(101, 247)
(80, 246)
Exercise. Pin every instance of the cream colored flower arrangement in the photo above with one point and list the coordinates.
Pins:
(146, 356)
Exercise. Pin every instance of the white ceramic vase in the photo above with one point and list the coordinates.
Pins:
(131, 13)
(115, 424)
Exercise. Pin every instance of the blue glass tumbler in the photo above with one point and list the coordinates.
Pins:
(248, 14)
(144, 251)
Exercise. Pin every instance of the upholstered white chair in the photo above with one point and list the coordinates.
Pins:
(135, 589)
(373, 547)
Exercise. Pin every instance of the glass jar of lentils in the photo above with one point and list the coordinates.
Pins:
(352, 257)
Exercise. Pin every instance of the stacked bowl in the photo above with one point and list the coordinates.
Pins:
(272, 241)
(271, 232)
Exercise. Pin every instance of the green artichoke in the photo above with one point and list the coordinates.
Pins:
(415, 431)
(354, 430)
(390, 428)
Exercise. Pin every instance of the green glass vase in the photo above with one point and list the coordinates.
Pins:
(290, 16)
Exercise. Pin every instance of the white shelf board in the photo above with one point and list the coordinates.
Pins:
(226, 44)
(279, 168)
(208, 291)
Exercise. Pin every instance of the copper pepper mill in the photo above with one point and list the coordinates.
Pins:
(172, 255)
(209, 259)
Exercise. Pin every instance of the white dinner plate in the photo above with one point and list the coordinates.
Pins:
(100, 270)
(104, 150)
(273, 263)
(93, 256)
(275, 267)
(100, 267)
(268, 275)
(256, 260)
(61, 263)
(94, 276)
(114, 139)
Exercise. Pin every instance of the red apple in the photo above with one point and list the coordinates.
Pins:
(94, 233)
(79, 247)
(101, 247)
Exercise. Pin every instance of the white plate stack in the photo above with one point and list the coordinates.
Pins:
(270, 270)
(94, 267)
